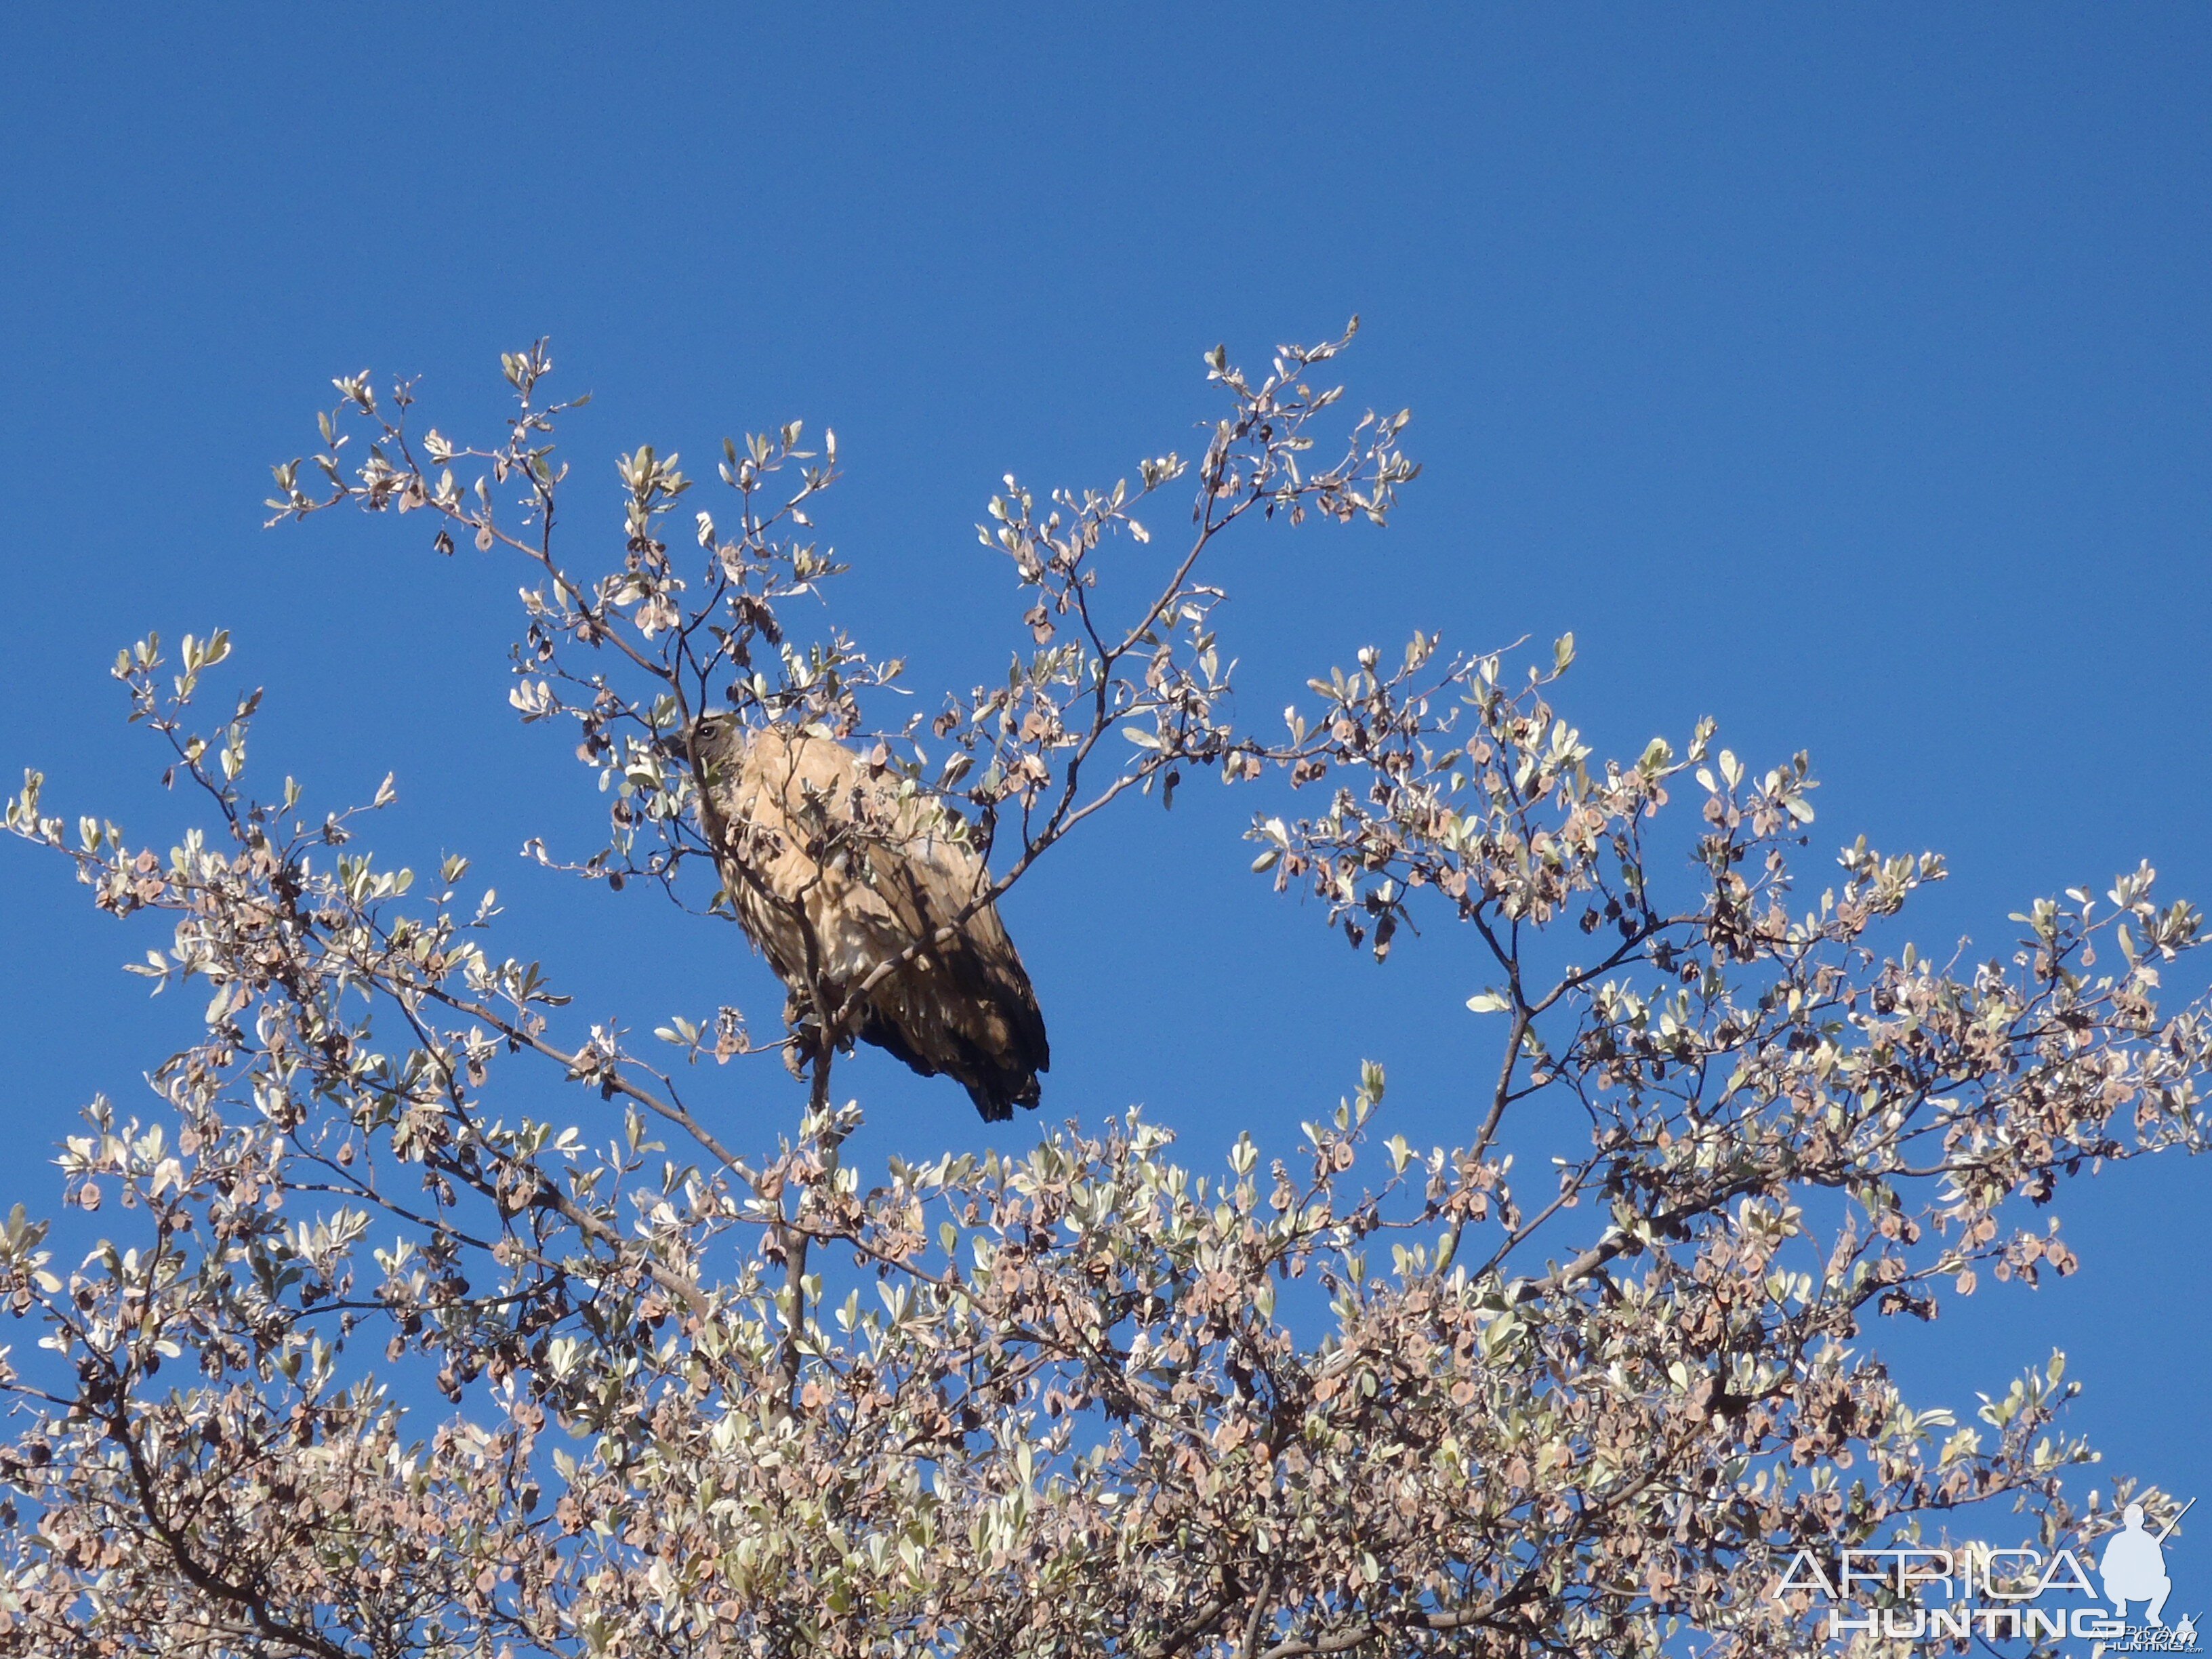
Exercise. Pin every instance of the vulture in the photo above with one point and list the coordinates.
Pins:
(833, 874)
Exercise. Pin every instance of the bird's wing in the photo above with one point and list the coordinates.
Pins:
(942, 878)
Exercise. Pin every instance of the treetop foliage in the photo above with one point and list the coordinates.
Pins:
(708, 1395)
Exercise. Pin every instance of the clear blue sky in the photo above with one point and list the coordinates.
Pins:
(1840, 371)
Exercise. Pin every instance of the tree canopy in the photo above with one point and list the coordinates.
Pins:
(1343, 1395)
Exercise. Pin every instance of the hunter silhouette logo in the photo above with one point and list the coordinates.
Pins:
(2135, 1565)
(2134, 1569)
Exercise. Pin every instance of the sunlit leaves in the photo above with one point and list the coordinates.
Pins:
(717, 1389)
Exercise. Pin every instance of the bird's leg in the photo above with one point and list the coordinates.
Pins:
(799, 1014)
(805, 1033)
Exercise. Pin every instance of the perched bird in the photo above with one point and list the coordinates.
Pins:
(833, 874)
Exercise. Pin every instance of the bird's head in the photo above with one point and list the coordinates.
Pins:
(711, 740)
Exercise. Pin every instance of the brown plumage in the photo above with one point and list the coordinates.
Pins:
(833, 874)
